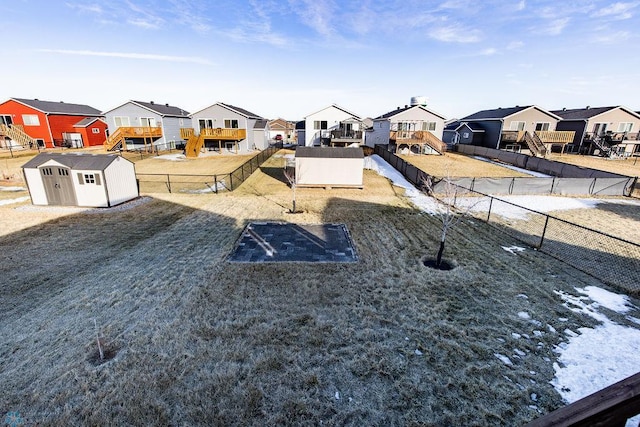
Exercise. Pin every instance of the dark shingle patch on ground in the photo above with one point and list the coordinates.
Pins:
(284, 242)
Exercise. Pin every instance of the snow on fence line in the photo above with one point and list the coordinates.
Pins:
(610, 259)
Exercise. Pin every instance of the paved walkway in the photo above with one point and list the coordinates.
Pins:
(284, 242)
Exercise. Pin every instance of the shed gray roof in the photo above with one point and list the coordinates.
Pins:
(330, 152)
(164, 109)
(81, 161)
(50, 107)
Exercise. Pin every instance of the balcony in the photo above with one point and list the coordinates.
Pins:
(546, 137)
(223, 134)
(612, 137)
(140, 132)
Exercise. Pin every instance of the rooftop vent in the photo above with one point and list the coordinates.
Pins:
(588, 106)
(166, 105)
(151, 102)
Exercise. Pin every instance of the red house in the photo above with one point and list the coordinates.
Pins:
(31, 122)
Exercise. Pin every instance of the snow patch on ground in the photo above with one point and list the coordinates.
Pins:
(177, 157)
(595, 358)
(12, 201)
(513, 249)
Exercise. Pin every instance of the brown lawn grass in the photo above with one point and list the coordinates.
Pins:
(629, 166)
(200, 341)
(458, 165)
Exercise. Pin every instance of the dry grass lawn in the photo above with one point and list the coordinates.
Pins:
(629, 166)
(459, 165)
(200, 341)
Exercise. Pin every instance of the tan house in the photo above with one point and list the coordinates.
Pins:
(606, 131)
(284, 128)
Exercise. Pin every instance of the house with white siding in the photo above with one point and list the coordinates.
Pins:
(225, 128)
(414, 127)
(137, 125)
(332, 126)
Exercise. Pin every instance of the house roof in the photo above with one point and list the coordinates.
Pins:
(242, 111)
(589, 112)
(330, 152)
(502, 113)
(164, 110)
(80, 161)
(87, 121)
(300, 125)
(261, 124)
(474, 127)
(406, 108)
(337, 107)
(51, 107)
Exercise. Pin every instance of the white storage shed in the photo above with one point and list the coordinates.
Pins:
(329, 167)
(91, 180)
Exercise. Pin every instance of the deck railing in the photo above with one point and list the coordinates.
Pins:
(229, 134)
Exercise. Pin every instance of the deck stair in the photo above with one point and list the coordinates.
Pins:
(534, 143)
(433, 141)
(115, 141)
(17, 134)
(603, 145)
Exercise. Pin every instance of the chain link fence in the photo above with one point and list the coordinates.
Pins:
(613, 260)
(212, 183)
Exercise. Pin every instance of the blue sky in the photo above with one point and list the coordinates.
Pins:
(290, 58)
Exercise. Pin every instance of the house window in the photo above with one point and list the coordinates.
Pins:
(320, 124)
(231, 123)
(465, 135)
(95, 130)
(517, 126)
(147, 122)
(30, 120)
(430, 126)
(541, 126)
(122, 121)
(205, 123)
(625, 127)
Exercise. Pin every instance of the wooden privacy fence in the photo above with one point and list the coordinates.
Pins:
(205, 183)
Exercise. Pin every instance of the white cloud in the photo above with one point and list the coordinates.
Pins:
(514, 45)
(619, 10)
(555, 27)
(609, 37)
(316, 14)
(521, 5)
(129, 55)
(455, 34)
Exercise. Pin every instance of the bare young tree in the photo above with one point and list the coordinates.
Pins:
(449, 209)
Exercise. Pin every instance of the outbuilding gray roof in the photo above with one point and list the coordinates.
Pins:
(81, 161)
(50, 107)
(330, 152)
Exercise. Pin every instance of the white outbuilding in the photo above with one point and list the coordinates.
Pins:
(329, 167)
(88, 180)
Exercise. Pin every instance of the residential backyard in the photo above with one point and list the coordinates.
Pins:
(193, 339)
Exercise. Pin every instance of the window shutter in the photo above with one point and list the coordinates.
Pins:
(98, 179)
(80, 179)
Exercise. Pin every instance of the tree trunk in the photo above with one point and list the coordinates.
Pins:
(439, 256)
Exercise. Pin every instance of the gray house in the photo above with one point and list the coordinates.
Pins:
(226, 129)
(137, 125)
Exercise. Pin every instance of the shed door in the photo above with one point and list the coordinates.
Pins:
(58, 186)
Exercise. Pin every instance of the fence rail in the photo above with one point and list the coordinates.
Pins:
(208, 183)
(613, 260)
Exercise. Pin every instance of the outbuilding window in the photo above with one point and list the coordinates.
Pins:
(95, 130)
(89, 178)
